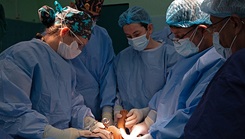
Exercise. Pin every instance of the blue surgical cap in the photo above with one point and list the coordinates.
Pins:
(134, 14)
(224, 8)
(186, 13)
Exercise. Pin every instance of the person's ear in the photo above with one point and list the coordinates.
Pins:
(64, 31)
(237, 23)
(150, 28)
(202, 28)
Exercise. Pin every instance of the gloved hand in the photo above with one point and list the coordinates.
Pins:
(69, 133)
(143, 127)
(126, 136)
(135, 116)
(90, 124)
(97, 128)
(107, 116)
(102, 133)
(117, 109)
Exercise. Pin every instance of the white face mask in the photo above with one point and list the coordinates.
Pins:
(68, 52)
(139, 43)
(225, 52)
(187, 48)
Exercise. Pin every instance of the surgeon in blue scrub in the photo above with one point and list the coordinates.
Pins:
(37, 81)
(95, 76)
(141, 69)
(220, 113)
(172, 106)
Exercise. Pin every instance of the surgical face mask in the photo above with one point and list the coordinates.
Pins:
(225, 52)
(185, 47)
(68, 51)
(139, 43)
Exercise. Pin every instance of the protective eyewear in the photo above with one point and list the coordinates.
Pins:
(176, 40)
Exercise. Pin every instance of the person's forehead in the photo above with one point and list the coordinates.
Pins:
(131, 28)
(177, 30)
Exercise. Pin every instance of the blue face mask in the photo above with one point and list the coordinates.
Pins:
(139, 43)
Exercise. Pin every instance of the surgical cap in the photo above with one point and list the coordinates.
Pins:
(79, 22)
(186, 13)
(134, 15)
(224, 8)
(93, 7)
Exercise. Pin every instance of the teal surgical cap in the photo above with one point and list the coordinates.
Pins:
(134, 14)
(224, 8)
(186, 13)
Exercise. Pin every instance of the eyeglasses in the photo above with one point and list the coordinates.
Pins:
(176, 40)
(211, 28)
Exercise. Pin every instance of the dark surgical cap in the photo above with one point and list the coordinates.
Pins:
(79, 22)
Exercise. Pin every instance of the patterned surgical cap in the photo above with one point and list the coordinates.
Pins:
(79, 22)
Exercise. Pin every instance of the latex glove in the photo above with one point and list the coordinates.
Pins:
(126, 136)
(107, 116)
(142, 128)
(97, 128)
(138, 129)
(90, 124)
(102, 133)
(117, 109)
(135, 116)
(69, 133)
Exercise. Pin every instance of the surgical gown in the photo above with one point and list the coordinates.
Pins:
(179, 97)
(37, 88)
(95, 76)
(220, 113)
(140, 74)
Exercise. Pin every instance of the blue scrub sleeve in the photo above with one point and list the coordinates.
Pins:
(108, 79)
(79, 111)
(15, 105)
(173, 127)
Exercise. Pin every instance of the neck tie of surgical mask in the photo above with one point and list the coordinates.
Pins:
(139, 43)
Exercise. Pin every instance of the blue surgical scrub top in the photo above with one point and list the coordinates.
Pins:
(184, 87)
(37, 88)
(95, 76)
(220, 113)
(140, 74)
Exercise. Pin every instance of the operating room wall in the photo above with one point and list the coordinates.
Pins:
(23, 22)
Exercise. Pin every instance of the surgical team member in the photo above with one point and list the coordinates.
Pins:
(95, 76)
(172, 106)
(37, 81)
(141, 68)
(220, 113)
